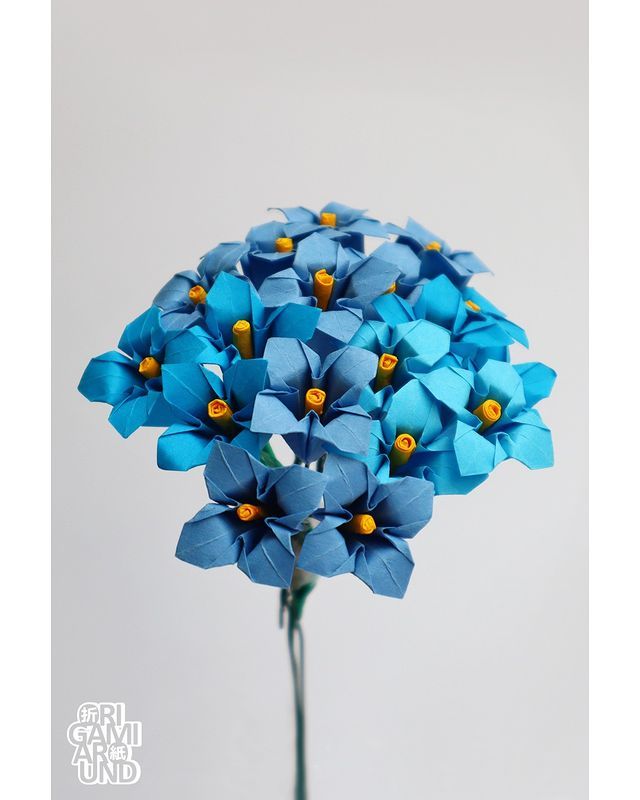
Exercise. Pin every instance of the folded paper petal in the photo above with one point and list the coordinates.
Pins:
(223, 258)
(109, 378)
(266, 560)
(182, 447)
(537, 380)
(212, 538)
(232, 475)
(385, 565)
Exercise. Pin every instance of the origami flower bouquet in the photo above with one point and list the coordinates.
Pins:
(381, 371)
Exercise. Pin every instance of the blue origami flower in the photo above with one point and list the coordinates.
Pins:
(479, 330)
(409, 347)
(254, 515)
(488, 419)
(407, 263)
(407, 421)
(234, 300)
(272, 247)
(210, 408)
(341, 282)
(182, 299)
(131, 381)
(436, 257)
(341, 218)
(314, 405)
(364, 526)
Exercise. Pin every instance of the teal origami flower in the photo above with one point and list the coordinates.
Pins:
(479, 330)
(182, 299)
(405, 422)
(235, 315)
(210, 407)
(254, 514)
(402, 349)
(364, 526)
(131, 380)
(468, 424)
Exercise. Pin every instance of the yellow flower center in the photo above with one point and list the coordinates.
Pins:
(329, 219)
(433, 246)
(149, 367)
(241, 332)
(402, 449)
(362, 524)
(220, 412)
(197, 294)
(284, 245)
(322, 288)
(248, 512)
(473, 306)
(386, 365)
(488, 413)
(392, 288)
(314, 401)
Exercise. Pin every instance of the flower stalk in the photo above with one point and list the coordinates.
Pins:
(292, 602)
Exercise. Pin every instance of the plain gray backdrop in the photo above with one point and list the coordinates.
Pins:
(176, 124)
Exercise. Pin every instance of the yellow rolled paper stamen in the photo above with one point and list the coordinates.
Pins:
(220, 412)
(386, 365)
(473, 306)
(247, 512)
(314, 401)
(433, 246)
(362, 524)
(392, 288)
(149, 367)
(402, 449)
(242, 338)
(488, 412)
(322, 288)
(329, 219)
(284, 245)
(197, 294)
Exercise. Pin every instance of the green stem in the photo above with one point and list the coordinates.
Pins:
(291, 603)
(268, 457)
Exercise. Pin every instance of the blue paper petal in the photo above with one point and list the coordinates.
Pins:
(232, 475)
(109, 378)
(211, 538)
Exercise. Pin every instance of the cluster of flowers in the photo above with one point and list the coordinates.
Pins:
(387, 376)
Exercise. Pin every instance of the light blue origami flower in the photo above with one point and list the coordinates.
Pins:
(415, 346)
(210, 408)
(364, 526)
(314, 405)
(341, 282)
(338, 217)
(254, 513)
(487, 419)
(182, 299)
(131, 381)
(479, 330)
(411, 411)
(436, 256)
(233, 299)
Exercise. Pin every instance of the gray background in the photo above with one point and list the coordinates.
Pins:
(175, 126)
